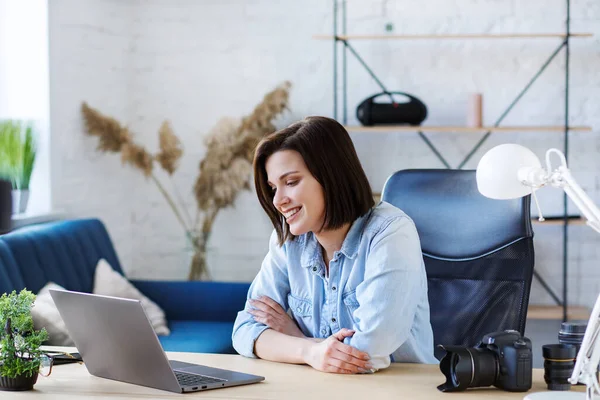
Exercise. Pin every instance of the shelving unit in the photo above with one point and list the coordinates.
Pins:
(573, 220)
(461, 36)
(465, 129)
(564, 37)
(553, 312)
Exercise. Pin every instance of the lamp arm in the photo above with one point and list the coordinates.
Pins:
(563, 179)
(589, 355)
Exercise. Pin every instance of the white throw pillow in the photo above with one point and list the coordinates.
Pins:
(109, 282)
(46, 315)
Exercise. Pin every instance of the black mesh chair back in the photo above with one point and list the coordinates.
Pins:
(478, 252)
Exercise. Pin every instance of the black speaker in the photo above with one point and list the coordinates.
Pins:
(5, 206)
(390, 111)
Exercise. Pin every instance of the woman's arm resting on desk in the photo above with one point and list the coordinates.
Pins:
(389, 296)
(330, 355)
(272, 281)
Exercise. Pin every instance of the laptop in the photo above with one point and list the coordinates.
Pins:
(117, 341)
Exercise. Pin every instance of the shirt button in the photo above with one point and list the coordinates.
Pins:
(323, 331)
(298, 309)
(333, 288)
(333, 320)
(315, 269)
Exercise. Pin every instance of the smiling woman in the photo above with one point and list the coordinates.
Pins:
(297, 195)
(343, 287)
(319, 153)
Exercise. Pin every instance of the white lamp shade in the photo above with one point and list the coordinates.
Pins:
(498, 171)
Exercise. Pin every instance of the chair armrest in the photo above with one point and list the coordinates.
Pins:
(196, 300)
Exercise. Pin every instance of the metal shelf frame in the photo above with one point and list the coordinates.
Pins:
(340, 36)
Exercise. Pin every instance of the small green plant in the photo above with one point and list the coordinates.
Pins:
(17, 152)
(20, 353)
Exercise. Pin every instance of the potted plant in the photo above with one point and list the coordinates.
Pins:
(20, 354)
(17, 157)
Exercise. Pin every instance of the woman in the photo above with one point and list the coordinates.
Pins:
(351, 274)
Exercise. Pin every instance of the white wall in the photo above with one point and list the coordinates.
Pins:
(90, 59)
(193, 62)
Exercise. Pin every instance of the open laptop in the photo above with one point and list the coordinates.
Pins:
(117, 341)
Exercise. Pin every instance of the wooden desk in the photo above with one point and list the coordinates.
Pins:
(283, 381)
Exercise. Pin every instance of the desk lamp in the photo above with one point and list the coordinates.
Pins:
(510, 171)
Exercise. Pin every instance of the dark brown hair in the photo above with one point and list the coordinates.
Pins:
(331, 158)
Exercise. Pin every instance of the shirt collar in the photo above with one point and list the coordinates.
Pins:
(354, 235)
(312, 249)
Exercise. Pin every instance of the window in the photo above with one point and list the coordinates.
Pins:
(24, 83)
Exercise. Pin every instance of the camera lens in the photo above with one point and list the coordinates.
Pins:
(559, 361)
(468, 367)
(572, 333)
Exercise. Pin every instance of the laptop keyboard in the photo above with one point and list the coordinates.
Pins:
(186, 379)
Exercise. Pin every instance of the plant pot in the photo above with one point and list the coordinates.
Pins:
(6, 206)
(20, 199)
(19, 383)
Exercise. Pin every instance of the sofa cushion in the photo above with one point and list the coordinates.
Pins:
(64, 252)
(45, 314)
(108, 282)
(199, 337)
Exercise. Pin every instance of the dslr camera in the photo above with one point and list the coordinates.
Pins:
(502, 359)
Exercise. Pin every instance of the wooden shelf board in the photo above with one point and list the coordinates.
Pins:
(556, 312)
(456, 36)
(559, 221)
(463, 129)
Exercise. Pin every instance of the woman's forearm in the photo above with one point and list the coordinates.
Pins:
(275, 346)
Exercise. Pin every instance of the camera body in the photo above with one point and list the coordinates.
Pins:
(514, 359)
(502, 359)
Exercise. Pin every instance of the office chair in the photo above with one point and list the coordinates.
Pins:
(478, 253)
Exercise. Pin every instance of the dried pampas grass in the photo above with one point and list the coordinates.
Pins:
(138, 157)
(111, 134)
(223, 173)
(170, 149)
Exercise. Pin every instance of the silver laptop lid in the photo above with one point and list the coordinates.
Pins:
(115, 339)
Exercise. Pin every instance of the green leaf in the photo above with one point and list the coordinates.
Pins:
(19, 342)
(17, 152)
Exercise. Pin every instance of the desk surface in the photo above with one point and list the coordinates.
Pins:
(283, 381)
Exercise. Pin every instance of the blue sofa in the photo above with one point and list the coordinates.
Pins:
(200, 314)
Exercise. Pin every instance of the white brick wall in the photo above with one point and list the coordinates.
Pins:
(193, 62)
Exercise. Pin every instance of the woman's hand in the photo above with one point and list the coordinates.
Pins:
(332, 355)
(270, 313)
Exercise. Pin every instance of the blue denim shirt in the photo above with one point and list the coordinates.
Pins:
(376, 286)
